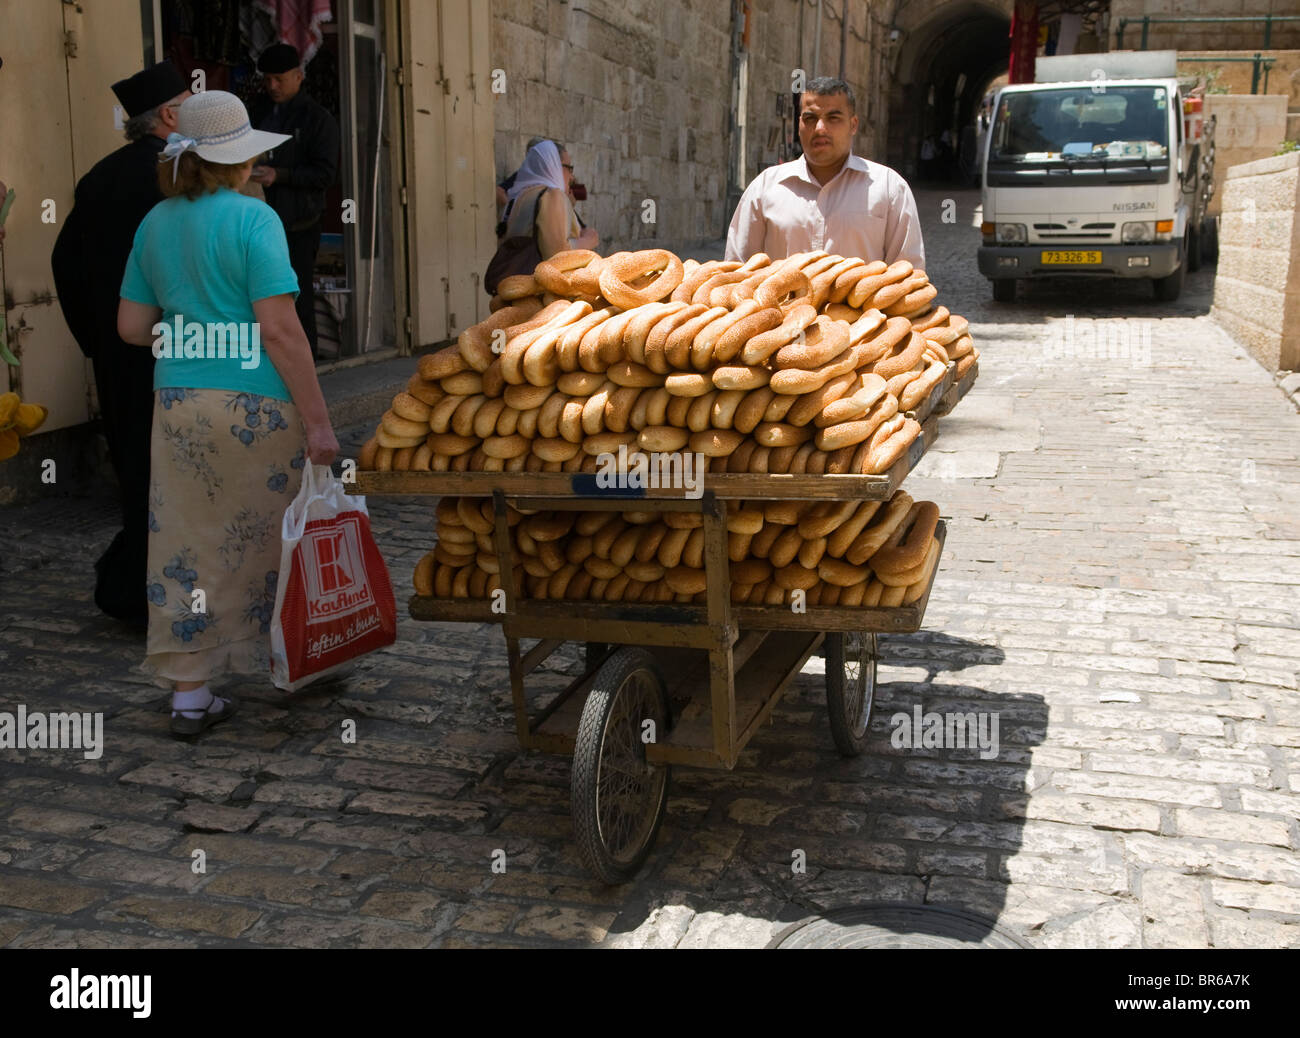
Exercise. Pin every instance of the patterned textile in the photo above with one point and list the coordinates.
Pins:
(256, 29)
(225, 467)
(299, 22)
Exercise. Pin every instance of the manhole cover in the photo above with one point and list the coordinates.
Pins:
(897, 926)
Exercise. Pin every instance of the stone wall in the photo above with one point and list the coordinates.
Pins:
(1247, 127)
(635, 104)
(1204, 35)
(641, 94)
(1257, 285)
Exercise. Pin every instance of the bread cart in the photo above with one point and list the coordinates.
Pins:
(668, 683)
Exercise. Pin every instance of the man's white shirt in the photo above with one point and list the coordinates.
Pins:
(866, 210)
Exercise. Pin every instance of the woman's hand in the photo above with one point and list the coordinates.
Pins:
(588, 239)
(286, 344)
(322, 444)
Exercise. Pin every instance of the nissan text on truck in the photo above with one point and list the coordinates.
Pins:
(1095, 169)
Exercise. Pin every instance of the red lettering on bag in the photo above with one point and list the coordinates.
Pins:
(341, 604)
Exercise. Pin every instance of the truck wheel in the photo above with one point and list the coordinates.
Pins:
(1170, 288)
(1210, 240)
(1195, 248)
(1004, 290)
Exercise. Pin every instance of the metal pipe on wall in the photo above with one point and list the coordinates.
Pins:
(844, 37)
(817, 45)
(374, 198)
(742, 99)
(799, 6)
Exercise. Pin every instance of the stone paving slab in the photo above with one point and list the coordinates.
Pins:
(1121, 587)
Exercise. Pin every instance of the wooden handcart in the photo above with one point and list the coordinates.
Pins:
(671, 683)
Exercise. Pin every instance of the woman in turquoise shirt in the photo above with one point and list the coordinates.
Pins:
(237, 407)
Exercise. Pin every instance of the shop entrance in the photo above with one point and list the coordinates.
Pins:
(354, 272)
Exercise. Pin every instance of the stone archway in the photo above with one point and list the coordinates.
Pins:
(948, 55)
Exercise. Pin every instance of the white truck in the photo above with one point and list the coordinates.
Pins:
(1099, 167)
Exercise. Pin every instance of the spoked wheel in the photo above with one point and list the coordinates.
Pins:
(618, 798)
(850, 688)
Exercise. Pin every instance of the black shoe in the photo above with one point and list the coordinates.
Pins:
(183, 726)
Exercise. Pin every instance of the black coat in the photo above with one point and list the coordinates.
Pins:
(91, 250)
(304, 166)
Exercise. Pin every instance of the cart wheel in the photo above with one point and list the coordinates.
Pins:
(618, 799)
(850, 688)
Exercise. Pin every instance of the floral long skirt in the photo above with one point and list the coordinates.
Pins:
(225, 466)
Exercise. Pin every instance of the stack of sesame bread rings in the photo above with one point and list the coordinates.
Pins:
(809, 365)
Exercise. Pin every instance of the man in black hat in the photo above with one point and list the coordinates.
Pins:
(88, 261)
(297, 173)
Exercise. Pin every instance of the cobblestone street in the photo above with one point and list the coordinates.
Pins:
(1120, 586)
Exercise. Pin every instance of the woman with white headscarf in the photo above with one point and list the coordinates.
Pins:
(539, 201)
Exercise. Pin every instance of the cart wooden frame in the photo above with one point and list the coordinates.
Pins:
(729, 663)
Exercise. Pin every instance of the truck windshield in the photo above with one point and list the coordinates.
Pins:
(1058, 125)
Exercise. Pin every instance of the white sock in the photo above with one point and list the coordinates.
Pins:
(193, 704)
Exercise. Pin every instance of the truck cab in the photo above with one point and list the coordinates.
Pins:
(1095, 170)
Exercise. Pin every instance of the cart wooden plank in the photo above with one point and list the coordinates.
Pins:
(558, 733)
(682, 669)
(729, 486)
(749, 643)
(926, 407)
(759, 685)
(538, 654)
(680, 625)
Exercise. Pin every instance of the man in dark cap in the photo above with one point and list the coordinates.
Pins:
(297, 173)
(88, 261)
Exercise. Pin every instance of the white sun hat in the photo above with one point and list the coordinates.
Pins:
(214, 124)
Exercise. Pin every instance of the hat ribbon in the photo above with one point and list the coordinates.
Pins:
(175, 147)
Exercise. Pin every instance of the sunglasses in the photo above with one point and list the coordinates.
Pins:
(567, 166)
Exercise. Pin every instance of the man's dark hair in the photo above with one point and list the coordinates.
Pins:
(825, 85)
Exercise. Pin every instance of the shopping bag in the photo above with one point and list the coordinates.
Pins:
(334, 600)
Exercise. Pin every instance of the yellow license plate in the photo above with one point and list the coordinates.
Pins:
(1071, 257)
